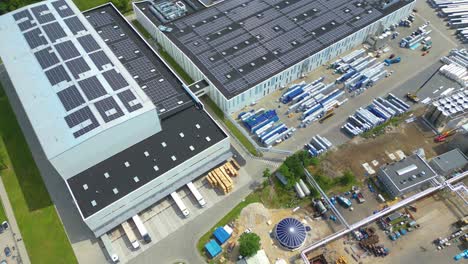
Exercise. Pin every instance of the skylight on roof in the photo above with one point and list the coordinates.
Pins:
(93, 203)
(136, 179)
(115, 190)
(173, 158)
(85, 187)
(106, 174)
(156, 168)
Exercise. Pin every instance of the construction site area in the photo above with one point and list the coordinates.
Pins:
(435, 217)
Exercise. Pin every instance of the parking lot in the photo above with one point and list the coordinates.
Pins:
(164, 217)
(8, 251)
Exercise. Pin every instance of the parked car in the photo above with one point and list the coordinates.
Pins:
(5, 225)
(7, 251)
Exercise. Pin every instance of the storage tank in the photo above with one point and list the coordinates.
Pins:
(304, 187)
(299, 191)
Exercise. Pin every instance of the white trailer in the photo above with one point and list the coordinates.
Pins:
(110, 250)
(130, 235)
(180, 204)
(141, 228)
(197, 194)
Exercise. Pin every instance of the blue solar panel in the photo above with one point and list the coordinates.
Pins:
(290, 233)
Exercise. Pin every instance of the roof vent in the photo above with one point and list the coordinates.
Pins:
(211, 59)
(85, 187)
(369, 11)
(204, 21)
(191, 148)
(197, 126)
(208, 139)
(156, 168)
(127, 164)
(358, 17)
(146, 153)
(230, 28)
(174, 158)
(264, 58)
(241, 70)
(315, 10)
(219, 33)
(93, 203)
(115, 190)
(106, 174)
(181, 134)
(215, 17)
(323, 28)
(247, 42)
(195, 43)
(252, 64)
(347, 10)
(136, 179)
(228, 76)
(258, 37)
(305, 14)
(164, 144)
(207, 38)
(223, 52)
(276, 28)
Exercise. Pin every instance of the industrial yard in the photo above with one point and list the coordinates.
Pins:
(436, 215)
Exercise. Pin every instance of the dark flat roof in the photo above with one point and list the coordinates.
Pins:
(121, 177)
(159, 83)
(408, 172)
(238, 44)
(186, 131)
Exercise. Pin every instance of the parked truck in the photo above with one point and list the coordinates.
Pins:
(197, 194)
(130, 235)
(180, 204)
(141, 228)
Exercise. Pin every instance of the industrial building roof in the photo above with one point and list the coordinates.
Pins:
(183, 136)
(408, 172)
(238, 44)
(451, 160)
(146, 68)
(186, 131)
(70, 84)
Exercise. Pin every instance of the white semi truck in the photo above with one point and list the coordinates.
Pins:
(197, 194)
(130, 235)
(141, 228)
(180, 204)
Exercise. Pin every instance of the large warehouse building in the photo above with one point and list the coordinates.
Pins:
(246, 49)
(114, 121)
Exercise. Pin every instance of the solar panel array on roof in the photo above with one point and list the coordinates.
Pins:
(140, 61)
(74, 24)
(71, 98)
(54, 31)
(88, 43)
(115, 79)
(51, 29)
(35, 38)
(62, 8)
(77, 66)
(129, 100)
(238, 44)
(92, 88)
(57, 75)
(46, 58)
(84, 119)
(100, 59)
(67, 50)
(109, 109)
(42, 14)
(24, 20)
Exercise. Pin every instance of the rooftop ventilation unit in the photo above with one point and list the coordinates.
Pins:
(167, 11)
(407, 169)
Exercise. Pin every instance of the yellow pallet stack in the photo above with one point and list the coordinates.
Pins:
(221, 177)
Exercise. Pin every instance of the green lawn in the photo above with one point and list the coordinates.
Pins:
(232, 128)
(40, 226)
(88, 4)
(2, 213)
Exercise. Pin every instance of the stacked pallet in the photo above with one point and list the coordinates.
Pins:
(221, 177)
(234, 164)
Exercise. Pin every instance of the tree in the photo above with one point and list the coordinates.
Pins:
(347, 178)
(249, 244)
(122, 5)
(266, 173)
(3, 164)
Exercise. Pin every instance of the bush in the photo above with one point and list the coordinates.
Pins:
(249, 244)
(347, 178)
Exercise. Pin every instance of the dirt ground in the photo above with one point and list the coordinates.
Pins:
(262, 221)
(406, 137)
(436, 215)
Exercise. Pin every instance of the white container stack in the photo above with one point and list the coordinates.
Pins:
(456, 66)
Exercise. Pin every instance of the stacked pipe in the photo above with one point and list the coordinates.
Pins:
(313, 99)
(455, 12)
(318, 145)
(381, 110)
(456, 65)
